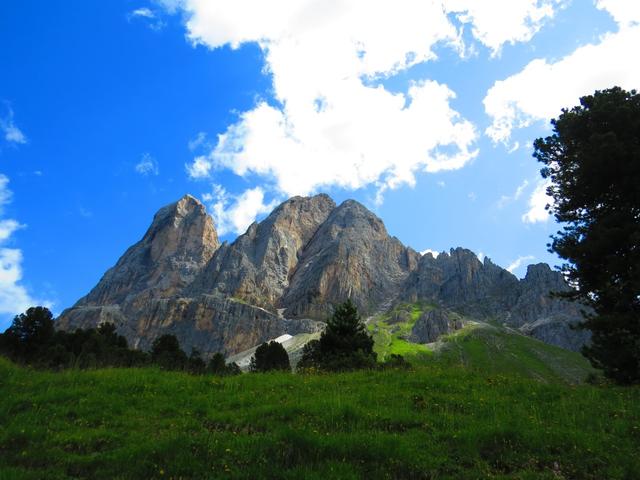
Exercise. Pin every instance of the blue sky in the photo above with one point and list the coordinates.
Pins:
(423, 111)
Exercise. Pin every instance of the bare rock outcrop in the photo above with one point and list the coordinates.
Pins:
(350, 256)
(177, 245)
(208, 323)
(258, 265)
(459, 281)
(434, 323)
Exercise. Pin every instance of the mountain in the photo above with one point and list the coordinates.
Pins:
(284, 274)
(352, 256)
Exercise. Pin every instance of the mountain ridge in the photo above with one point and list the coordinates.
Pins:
(285, 273)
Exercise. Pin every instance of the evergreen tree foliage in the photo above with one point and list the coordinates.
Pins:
(592, 161)
(29, 334)
(166, 352)
(270, 356)
(31, 339)
(345, 344)
(218, 366)
(196, 364)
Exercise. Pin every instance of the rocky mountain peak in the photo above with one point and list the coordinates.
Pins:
(542, 275)
(305, 257)
(177, 245)
(257, 267)
(351, 213)
(350, 256)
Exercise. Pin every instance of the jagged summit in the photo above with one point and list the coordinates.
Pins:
(350, 256)
(287, 271)
(258, 265)
(179, 242)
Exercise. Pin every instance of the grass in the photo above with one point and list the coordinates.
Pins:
(441, 421)
(486, 348)
(480, 347)
(388, 335)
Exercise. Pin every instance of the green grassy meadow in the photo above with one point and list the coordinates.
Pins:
(442, 420)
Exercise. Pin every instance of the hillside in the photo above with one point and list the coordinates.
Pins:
(477, 346)
(434, 422)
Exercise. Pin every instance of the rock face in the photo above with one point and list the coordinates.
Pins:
(350, 256)
(483, 290)
(459, 281)
(179, 242)
(258, 265)
(285, 273)
(549, 319)
(434, 323)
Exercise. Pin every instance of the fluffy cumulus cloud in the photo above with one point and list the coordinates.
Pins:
(543, 88)
(234, 213)
(200, 167)
(14, 297)
(147, 165)
(334, 123)
(538, 202)
(496, 22)
(624, 12)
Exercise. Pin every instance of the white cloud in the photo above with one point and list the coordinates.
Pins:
(624, 12)
(7, 227)
(14, 297)
(542, 89)
(142, 12)
(234, 214)
(5, 193)
(147, 165)
(537, 203)
(199, 168)
(496, 22)
(518, 262)
(432, 252)
(335, 124)
(151, 18)
(11, 132)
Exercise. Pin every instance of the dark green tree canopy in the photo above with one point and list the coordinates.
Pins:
(166, 352)
(592, 161)
(35, 326)
(344, 345)
(29, 334)
(270, 356)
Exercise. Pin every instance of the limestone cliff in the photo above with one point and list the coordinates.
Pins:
(179, 242)
(305, 257)
(350, 256)
(460, 282)
(258, 265)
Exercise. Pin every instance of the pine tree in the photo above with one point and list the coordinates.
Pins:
(344, 345)
(592, 161)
